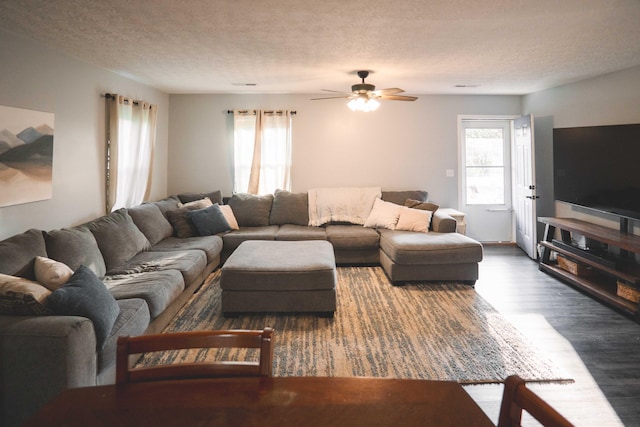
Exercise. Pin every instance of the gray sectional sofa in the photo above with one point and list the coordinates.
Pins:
(151, 259)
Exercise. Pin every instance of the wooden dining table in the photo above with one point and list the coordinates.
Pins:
(277, 401)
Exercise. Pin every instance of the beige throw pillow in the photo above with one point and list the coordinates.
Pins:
(383, 215)
(414, 220)
(50, 273)
(19, 296)
(229, 216)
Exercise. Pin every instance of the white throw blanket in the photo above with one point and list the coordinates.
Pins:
(341, 204)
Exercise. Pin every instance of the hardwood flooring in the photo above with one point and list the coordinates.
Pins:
(597, 347)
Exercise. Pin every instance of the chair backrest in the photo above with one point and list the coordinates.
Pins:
(261, 340)
(517, 397)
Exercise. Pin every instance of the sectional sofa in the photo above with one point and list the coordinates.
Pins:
(151, 259)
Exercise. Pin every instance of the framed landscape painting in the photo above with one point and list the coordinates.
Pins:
(26, 155)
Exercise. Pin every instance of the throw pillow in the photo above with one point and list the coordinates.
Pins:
(399, 197)
(289, 208)
(85, 295)
(214, 196)
(417, 204)
(251, 210)
(50, 273)
(229, 216)
(209, 221)
(414, 220)
(19, 296)
(197, 204)
(383, 215)
(183, 227)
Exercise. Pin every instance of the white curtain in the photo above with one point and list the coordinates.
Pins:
(262, 151)
(130, 148)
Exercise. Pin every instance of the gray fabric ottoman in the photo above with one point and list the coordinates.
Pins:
(281, 277)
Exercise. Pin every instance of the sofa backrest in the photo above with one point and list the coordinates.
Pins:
(75, 247)
(289, 208)
(18, 253)
(399, 197)
(150, 220)
(251, 210)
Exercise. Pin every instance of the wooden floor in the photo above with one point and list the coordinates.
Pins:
(595, 345)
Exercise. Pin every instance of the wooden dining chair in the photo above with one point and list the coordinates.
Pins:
(260, 340)
(517, 398)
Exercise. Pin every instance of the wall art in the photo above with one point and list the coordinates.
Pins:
(26, 155)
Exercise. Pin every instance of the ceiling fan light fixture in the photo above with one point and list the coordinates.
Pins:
(363, 104)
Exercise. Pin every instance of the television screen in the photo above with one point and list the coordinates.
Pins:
(598, 167)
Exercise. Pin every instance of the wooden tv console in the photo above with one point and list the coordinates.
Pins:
(604, 275)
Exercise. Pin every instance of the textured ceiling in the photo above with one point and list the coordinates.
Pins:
(299, 46)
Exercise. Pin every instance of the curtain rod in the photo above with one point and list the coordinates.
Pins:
(112, 96)
(293, 113)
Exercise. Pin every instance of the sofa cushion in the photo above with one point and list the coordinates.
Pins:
(209, 221)
(167, 204)
(214, 196)
(233, 239)
(118, 237)
(132, 320)
(157, 288)
(150, 220)
(17, 253)
(300, 232)
(352, 237)
(85, 295)
(210, 245)
(51, 273)
(383, 215)
(75, 247)
(399, 197)
(289, 208)
(251, 210)
(190, 263)
(20, 296)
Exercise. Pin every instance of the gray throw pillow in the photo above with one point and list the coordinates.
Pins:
(251, 210)
(75, 247)
(209, 221)
(85, 295)
(290, 208)
(150, 220)
(183, 227)
(214, 196)
(17, 253)
(417, 204)
(118, 238)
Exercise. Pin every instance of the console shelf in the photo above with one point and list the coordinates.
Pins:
(602, 283)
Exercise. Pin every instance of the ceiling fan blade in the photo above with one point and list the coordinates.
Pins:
(389, 91)
(331, 97)
(335, 91)
(398, 98)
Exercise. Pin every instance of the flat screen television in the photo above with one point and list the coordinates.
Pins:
(598, 168)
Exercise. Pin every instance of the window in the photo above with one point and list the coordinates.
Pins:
(262, 151)
(485, 168)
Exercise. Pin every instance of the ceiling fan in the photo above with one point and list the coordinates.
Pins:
(364, 96)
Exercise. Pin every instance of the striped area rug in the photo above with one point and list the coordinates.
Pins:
(422, 331)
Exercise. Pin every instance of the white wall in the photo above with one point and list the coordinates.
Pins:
(402, 145)
(610, 99)
(37, 78)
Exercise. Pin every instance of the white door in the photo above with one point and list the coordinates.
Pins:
(485, 174)
(525, 185)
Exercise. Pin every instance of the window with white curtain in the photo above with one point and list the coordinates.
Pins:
(131, 137)
(262, 151)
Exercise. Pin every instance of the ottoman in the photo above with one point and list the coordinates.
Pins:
(410, 256)
(280, 277)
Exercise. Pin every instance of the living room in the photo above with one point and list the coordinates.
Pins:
(400, 146)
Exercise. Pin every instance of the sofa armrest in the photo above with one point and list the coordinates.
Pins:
(39, 357)
(443, 223)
